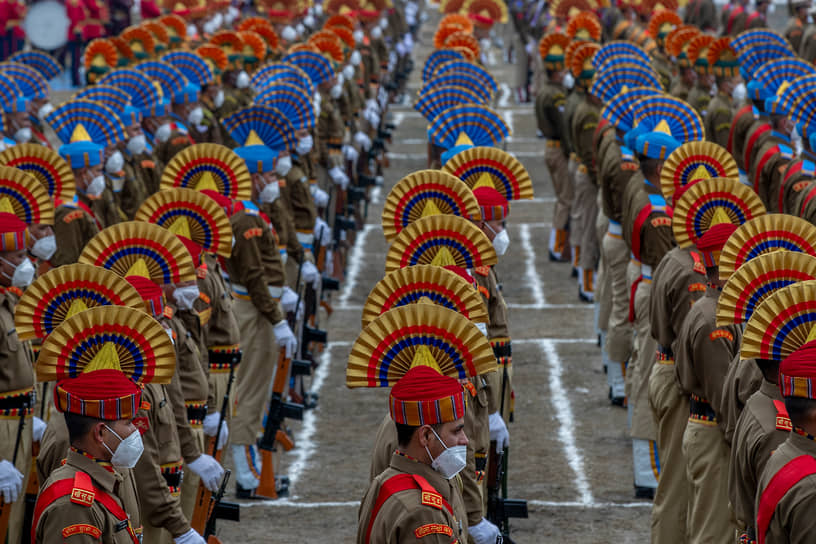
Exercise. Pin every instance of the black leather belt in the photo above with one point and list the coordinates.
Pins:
(503, 350)
(701, 410)
(173, 479)
(17, 402)
(224, 358)
(196, 413)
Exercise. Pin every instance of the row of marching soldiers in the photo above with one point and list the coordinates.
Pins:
(219, 256)
(435, 327)
(705, 299)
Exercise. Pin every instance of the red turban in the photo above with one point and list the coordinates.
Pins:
(711, 243)
(492, 203)
(798, 372)
(425, 397)
(103, 394)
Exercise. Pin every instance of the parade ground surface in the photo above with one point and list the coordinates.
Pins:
(570, 453)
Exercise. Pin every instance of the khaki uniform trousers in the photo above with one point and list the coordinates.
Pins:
(670, 408)
(254, 374)
(572, 170)
(618, 343)
(632, 274)
(557, 166)
(707, 457)
(8, 438)
(644, 452)
(582, 219)
(603, 295)
(189, 485)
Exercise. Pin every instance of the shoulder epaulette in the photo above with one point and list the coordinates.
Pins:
(83, 492)
(783, 422)
(482, 270)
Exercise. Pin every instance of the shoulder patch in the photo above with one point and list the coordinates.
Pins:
(429, 498)
(83, 491)
(256, 232)
(697, 288)
(628, 166)
(661, 222)
(73, 216)
(81, 529)
(433, 529)
(799, 185)
(142, 424)
(721, 333)
(783, 422)
(484, 291)
(148, 164)
(482, 270)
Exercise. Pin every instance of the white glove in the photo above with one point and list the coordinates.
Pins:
(288, 300)
(371, 104)
(190, 537)
(401, 49)
(350, 154)
(329, 262)
(209, 470)
(339, 177)
(211, 427)
(530, 47)
(37, 429)
(311, 275)
(11, 481)
(372, 117)
(285, 338)
(484, 532)
(362, 139)
(498, 431)
(321, 229)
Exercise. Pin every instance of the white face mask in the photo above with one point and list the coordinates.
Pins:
(309, 21)
(169, 333)
(137, 144)
(96, 186)
(44, 110)
(300, 29)
(283, 165)
(242, 81)
(336, 91)
(22, 135)
(128, 451)
(568, 81)
(186, 296)
(348, 72)
(164, 132)
(115, 162)
(219, 98)
(358, 36)
(451, 461)
(195, 116)
(318, 10)
(739, 93)
(501, 240)
(304, 145)
(23, 273)
(376, 33)
(45, 247)
(288, 34)
(270, 193)
(355, 58)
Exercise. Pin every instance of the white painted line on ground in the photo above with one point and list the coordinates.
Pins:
(355, 261)
(504, 95)
(304, 438)
(287, 503)
(555, 340)
(398, 117)
(563, 412)
(374, 197)
(529, 266)
(511, 305)
(419, 156)
(409, 112)
(507, 115)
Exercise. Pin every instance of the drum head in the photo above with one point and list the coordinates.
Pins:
(46, 25)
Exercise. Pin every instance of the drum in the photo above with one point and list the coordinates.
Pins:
(46, 25)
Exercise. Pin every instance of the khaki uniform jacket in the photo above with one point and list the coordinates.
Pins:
(329, 133)
(299, 199)
(209, 131)
(741, 381)
(704, 351)
(759, 432)
(222, 326)
(663, 67)
(160, 436)
(796, 177)
(255, 262)
(807, 47)
(281, 219)
(702, 14)
(73, 228)
(614, 173)
(717, 121)
(104, 208)
(656, 236)
(574, 97)
(550, 104)
(699, 98)
(793, 521)
(750, 154)
(142, 177)
(679, 89)
(385, 444)
(16, 368)
(404, 517)
(582, 135)
(497, 327)
(677, 283)
(66, 521)
(742, 124)
(767, 169)
(794, 32)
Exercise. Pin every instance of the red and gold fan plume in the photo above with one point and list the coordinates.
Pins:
(191, 214)
(345, 35)
(141, 249)
(451, 6)
(693, 161)
(425, 284)
(159, 32)
(101, 54)
(569, 8)
(340, 20)
(250, 23)
(425, 193)
(584, 26)
(440, 240)
(176, 28)
(459, 20)
(342, 7)
(253, 45)
(494, 11)
(770, 232)
(44, 164)
(413, 335)
(140, 41)
(328, 44)
(757, 279)
(661, 23)
(65, 291)
(214, 56)
(462, 39)
(209, 166)
(269, 35)
(108, 337)
(478, 166)
(24, 196)
(782, 323)
(444, 31)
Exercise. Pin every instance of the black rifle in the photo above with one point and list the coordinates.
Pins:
(220, 510)
(501, 509)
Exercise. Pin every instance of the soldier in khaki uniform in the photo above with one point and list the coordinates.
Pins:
(720, 112)
(798, 23)
(550, 103)
(102, 449)
(17, 388)
(257, 278)
(696, 53)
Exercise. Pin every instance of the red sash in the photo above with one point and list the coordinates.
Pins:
(742, 111)
(807, 199)
(788, 476)
(749, 146)
(733, 17)
(761, 164)
(404, 482)
(792, 169)
(82, 487)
